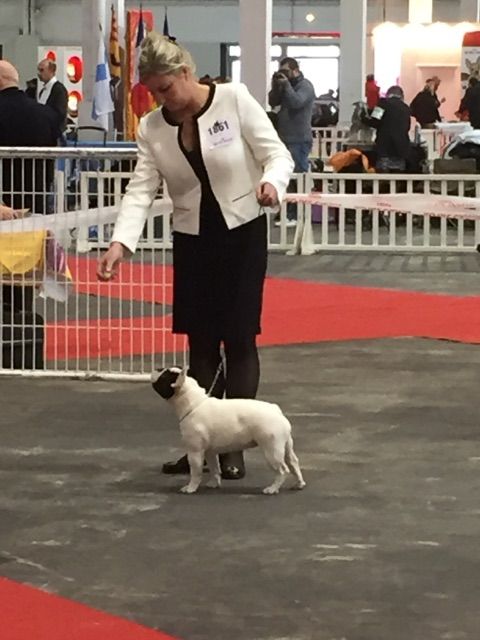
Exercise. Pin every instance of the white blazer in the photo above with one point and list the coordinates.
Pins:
(240, 149)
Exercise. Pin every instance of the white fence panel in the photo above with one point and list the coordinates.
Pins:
(357, 229)
(57, 319)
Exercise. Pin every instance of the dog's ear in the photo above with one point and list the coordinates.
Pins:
(180, 379)
(163, 381)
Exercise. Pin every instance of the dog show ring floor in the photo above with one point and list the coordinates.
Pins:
(382, 544)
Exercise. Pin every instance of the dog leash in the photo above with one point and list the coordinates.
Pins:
(217, 374)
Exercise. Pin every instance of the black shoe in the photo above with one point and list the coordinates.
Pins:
(180, 467)
(232, 465)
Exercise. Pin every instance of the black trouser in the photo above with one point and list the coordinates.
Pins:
(239, 380)
(17, 298)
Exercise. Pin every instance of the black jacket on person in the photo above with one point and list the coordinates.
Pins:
(473, 106)
(424, 108)
(393, 126)
(58, 101)
(26, 123)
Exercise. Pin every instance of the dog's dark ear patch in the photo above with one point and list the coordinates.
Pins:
(163, 385)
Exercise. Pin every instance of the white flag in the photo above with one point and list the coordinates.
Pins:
(102, 96)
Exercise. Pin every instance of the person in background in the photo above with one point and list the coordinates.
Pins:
(31, 88)
(325, 110)
(424, 107)
(436, 82)
(24, 123)
(372, 92)
(474, 105)
(292, 97)
(52, 92)
(222, 162)
(391, 119)
(463, 112)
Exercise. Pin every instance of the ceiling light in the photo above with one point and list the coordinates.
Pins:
(309, 17)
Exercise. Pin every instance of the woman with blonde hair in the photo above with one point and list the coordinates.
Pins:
(222, 162)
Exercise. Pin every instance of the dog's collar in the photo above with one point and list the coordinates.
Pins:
(190, 411)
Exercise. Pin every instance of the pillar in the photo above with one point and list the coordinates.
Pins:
(470, 10)
(420, 11)
(255, 42)
(353, 31)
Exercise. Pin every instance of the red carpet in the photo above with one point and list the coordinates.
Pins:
(30, 614)
(314, 312)
(150, 283)
(294, 312)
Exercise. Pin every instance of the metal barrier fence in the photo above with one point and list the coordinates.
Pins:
(327, 141)
(330, 140)
(359, 229)
(57, 319)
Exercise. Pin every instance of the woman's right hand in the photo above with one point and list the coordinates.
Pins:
(108, 263)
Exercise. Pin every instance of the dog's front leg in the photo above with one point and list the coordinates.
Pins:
(215, 476)
(195, 460)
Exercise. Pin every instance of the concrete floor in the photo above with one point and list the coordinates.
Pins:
(381, 545)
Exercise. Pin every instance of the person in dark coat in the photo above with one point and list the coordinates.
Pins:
(24, 123)
(474, 105)
(52, 92)
(463, 112)
(424, 107)
(391, 119)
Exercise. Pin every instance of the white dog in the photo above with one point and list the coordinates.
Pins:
(210, 426)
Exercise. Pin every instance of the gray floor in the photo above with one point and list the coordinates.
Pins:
(381, 545)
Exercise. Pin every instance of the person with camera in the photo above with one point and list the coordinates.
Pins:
(295, 96)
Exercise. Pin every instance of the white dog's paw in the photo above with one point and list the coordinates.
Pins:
(214, 484)
(270, 491)
(301, 484)
(188, 489)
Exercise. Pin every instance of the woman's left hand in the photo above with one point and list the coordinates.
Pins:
(267, 195)
(6, 213)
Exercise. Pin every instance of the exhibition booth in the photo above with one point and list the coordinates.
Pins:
(409, 54)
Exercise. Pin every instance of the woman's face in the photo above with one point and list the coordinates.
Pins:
(172, 91)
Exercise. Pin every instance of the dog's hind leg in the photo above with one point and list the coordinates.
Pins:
(195, 460)
(293, 464)
(214, 466)
(276, 459)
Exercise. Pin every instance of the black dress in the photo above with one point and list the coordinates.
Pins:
(218, 274)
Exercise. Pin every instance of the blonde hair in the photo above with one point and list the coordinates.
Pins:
(160, 55)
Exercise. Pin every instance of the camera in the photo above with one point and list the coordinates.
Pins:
(280, 75)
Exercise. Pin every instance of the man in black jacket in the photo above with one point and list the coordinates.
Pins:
(391, 119)
(25, 182)
(473, 105)
(24, 123)
(52, 92)
(424, 106)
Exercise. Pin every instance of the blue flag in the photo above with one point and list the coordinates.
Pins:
(102, 97)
